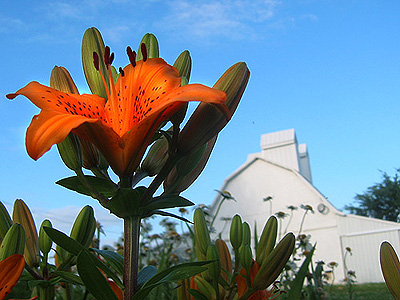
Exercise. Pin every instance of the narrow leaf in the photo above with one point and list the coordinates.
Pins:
(297, 284)
(167, 214)
(197, 295)
(168, 201)
(63, 240)
(94, 281)
(115, 260)
(103, 186)
(171, 274)
(69, 277)
(145, 274)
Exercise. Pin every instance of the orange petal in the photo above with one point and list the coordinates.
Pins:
(49, 128)
(10, 271)
(47, 98)
(241, 281)
(116, 289)
(152, 87)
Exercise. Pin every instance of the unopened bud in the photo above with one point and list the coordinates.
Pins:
(225, 258)
(22, 215)
(93, 42)
(189, 168)
(205, 288)
(70, 152)
(236, 232)
(5, 221)
(84, 227)
(13, 242)
(202, 235)
(151, 43)
(246, 257)
(214, 268)
(45, 241)
(267, 240)
(207, 120)
(156, 157)
(273, 264)
(60, 79)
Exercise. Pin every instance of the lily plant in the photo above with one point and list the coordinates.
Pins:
(132, 123)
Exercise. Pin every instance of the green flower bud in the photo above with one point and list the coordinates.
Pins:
(151, 43)
(70, 152)
(156, 157)
(60, 79)
(22, 215)
(84, 227)
(224, 257)
(5, 221)
(13, 242)
(246, 256)
(69, 149)
(90, 154)
(45, 241)
(273, 264)
(267, 240)
(214, 268)
(236, 232)
(93, 42)
(201, 233)
(189, 168)
(246, 234)
(184, 64)
(207, 120)
(205, 288)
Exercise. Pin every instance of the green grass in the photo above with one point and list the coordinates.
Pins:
(368, 291)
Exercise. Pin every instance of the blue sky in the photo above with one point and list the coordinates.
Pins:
(329, 69)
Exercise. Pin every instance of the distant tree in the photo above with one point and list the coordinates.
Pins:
(381, 200)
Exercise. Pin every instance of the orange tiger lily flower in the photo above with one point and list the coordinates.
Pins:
(146, 94)
(10, 271)
(242, 285)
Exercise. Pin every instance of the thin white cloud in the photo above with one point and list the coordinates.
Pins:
(9, 25)
(232, 19)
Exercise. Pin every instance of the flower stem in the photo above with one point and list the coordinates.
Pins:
(131, 255)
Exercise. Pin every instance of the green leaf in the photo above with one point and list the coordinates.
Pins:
(197, 295)
(69, 277)
(125, 202)
(106, 270)
(297, 284)
(42, 283)
(115, 260)
(167, 201)
(167, 214)
(103, 186)
(94, 281)
(63, 240)
(145, 274)
(171, 274)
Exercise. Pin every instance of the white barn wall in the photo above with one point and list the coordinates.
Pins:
(281, 171)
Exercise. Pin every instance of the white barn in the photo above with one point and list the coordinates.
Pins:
(281, 172)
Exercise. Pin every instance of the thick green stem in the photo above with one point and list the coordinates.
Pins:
(131, 255)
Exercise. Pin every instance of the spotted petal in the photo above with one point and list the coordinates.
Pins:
(10, 270)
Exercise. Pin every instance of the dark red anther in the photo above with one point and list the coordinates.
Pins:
(96, 60)
(144, 51)
(111, 58)
(122, 72)
(107, 55)
(131, 55)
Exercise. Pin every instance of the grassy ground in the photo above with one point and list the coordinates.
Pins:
(369, 291)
